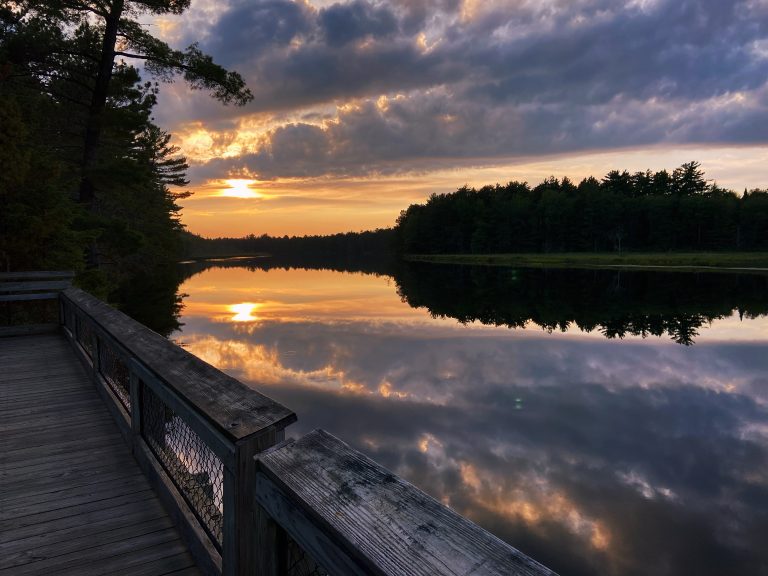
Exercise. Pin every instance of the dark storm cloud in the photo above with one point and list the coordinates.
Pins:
(344, 23)
(440, 130)
(513, 78)
(249, 29)
(691, 49)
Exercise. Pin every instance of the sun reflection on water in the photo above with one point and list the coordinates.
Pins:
(244, 312)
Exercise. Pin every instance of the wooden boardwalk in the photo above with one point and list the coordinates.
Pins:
(72, 498)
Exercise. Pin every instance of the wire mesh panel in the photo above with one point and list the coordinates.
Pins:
(115, 372)
(195, 470)
(85, 335)
(299, 563)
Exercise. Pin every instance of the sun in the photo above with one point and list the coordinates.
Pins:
(244, 312)
(240, 188)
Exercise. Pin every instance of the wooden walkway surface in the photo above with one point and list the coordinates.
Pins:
(72, 498)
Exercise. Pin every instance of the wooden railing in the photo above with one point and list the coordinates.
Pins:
(193, 429)
(30, 288)
(247, 501)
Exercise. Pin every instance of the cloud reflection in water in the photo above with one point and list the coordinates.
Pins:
(591, 455)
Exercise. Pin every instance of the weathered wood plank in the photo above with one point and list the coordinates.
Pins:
(34, 286)
(8, 331)
(42, 435)
(12, 524)
(28, 297)
(153, 516)
(46, 550)
(66, 463)
(36, 275)
(386, 525)
(77, 520)
(178, 565)
(65, 390)
(186, 572)
(75, 496)
(32, 413)
(118, 565)
(18, 403)
(128, 550)
(236, 410)
(51, 423)
(48, 487)
(61, 447)
(72, 498)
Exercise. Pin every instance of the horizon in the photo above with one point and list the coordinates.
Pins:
(364, 107)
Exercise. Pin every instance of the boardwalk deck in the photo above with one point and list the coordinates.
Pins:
(72, 498)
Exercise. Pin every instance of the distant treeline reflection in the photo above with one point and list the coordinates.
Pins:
(615, 303)
(612, 302)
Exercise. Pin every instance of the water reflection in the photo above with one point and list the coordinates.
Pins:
(593, 455)
(244, 312)
(615, 303)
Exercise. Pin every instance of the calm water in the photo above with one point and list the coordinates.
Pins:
(602, 422)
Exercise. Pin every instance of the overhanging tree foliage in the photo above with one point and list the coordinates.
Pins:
(120, 35)
(84, 117)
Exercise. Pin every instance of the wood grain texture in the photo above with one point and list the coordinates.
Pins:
(36, 275)
(72, 498)
(386, 525)
(236, 410)
(34, 286)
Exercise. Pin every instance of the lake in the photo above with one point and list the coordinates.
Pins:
(602, 422)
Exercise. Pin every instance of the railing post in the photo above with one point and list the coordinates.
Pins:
(271, 541)
(243, 517)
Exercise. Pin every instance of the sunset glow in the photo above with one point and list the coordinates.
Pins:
(244, 312)
(362, 108)
(239, 188)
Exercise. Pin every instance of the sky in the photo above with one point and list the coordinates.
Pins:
(363, 107)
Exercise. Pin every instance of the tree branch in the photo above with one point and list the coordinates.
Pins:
(129, 55)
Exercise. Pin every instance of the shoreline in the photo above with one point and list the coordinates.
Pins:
(735, 262)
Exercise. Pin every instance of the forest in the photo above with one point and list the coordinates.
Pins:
(350, 250)
(89, 182)
(645, 211)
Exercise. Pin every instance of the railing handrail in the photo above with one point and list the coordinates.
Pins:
(27, 286)
(353, 516)
(37, 275)
(235, 410)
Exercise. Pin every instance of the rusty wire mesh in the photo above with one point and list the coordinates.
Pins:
(299, 563)
(85, 336)
(115, 372)
(194, 468)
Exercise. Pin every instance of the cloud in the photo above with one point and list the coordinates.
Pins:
(368, 87)
(435, 129)
(345, 23)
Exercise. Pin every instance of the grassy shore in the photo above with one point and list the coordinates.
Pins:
(736, 261)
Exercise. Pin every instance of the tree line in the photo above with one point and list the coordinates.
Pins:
(361, 251)
(89, 181)
(644, 211)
